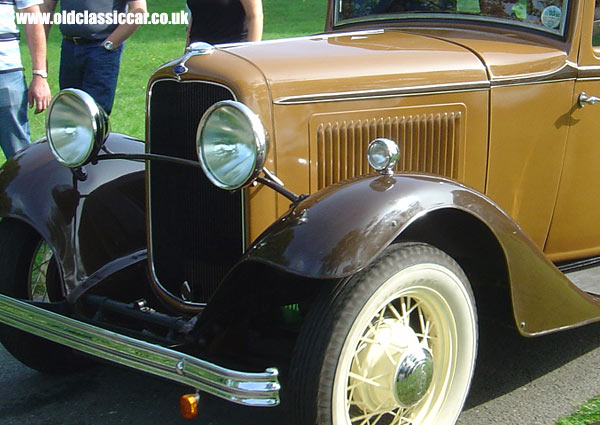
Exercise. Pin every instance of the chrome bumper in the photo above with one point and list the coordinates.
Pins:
(251, 389)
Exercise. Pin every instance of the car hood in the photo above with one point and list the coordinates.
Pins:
(360, 61)
(512, 56)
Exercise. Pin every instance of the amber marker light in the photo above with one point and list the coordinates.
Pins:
(188, 404)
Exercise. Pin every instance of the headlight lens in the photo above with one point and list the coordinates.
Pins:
(231, 143)
(383, 154)
(75, 127)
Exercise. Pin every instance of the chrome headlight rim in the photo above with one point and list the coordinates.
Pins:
(383, 149)
(96, 117)
(260, 138)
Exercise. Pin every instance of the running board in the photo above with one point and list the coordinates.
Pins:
(586, 279)
(572, 266)
(250, 389)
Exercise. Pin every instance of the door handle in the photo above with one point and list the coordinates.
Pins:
(584, 99)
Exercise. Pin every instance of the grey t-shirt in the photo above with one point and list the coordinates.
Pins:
(98, 30)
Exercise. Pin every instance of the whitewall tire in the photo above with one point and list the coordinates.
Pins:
(396, 344)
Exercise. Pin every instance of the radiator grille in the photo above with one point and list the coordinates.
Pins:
(429, 143)
(196, 228)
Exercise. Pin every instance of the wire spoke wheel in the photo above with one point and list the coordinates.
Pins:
(38, 273)
(396, 343)
(415, 323)
(384, 338)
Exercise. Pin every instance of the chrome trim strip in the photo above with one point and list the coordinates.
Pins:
(250, 389)
(589, 72)
(528, 82)
(313, 37)
(188, 306)
(383, 93)
(568, 72)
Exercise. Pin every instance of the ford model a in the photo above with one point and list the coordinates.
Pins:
(354, 199)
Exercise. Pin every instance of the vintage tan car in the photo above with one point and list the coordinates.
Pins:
(323, 217)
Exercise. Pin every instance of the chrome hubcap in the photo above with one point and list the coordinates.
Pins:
(414, 376)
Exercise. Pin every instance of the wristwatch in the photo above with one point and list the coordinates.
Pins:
(40, 72)
(108, 45)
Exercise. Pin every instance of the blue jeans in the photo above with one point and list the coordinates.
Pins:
(91, 68)
(14, 127)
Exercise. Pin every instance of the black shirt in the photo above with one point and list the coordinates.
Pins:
(91, 31)
(217, 21)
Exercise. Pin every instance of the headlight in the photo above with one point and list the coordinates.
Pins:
(76, 127)
(383, 154)
(231, 143)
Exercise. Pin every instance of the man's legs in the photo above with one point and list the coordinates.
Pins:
(101, 74)
(14, 126)
(91, 68)
(71, 65)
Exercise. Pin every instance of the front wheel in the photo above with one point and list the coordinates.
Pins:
(396, 344)
(28, 271)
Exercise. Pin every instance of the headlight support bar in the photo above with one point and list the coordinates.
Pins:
(267, 180)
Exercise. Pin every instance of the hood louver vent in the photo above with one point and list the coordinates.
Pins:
(429, 143)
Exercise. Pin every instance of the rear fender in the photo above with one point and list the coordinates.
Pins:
(338, 231)
(89, 223)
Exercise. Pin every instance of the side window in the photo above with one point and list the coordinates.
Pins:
(596, 33)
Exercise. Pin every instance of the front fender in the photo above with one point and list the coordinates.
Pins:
(338, 231)
(87, 223)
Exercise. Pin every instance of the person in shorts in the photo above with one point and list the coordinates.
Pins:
(14, 94)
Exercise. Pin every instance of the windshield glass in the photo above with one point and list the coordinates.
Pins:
(545, 15)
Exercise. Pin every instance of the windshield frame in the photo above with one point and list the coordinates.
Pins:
(459, 17)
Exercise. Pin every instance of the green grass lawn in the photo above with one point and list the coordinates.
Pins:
(153, 45)
(588, 414)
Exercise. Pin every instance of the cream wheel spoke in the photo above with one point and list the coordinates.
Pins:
(385, 348)
(409, 310)
(368, 416)
(378, 319)
(379, 417)
(395, 312)
(349, 402)
(425, 336)
(401, 417)
(421, 317)
(425, 339)
(403, 309)
(369, 381)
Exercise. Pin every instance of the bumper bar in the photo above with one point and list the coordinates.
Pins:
(250, 389)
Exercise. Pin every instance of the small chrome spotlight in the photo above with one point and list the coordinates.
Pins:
(383, 154)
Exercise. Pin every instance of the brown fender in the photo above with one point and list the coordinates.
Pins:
(339, 230)
(88, 223)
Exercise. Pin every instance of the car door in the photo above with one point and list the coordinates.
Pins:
(575, 228)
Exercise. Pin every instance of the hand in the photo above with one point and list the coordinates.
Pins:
(39, 93)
